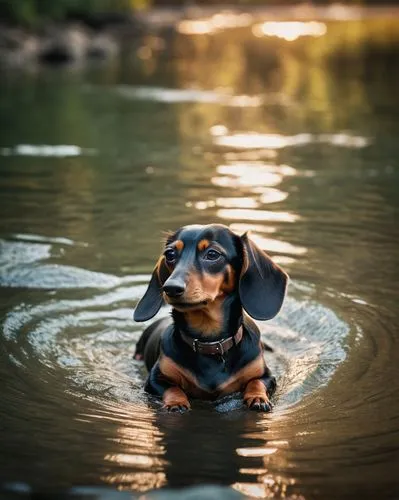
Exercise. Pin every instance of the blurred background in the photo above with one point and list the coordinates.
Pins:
(124, 119)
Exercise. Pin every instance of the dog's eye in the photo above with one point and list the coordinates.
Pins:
(212, 255)
(170, 255)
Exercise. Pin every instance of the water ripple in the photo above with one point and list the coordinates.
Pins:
(55, 151)
(170, 95)
(255, 140)
(93, 337)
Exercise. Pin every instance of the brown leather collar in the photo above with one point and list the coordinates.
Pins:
(212, 348)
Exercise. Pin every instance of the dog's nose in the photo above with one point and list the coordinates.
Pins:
(174, 288)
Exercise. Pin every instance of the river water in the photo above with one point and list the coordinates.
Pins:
(294, 137)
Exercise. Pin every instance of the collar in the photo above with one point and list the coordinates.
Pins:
(219, 347)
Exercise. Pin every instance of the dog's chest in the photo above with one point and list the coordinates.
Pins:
(211, 375)
(211, 378)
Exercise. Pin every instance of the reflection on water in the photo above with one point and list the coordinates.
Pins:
(87, 335)
(247, 174)
(260, 483)
(295, 142)
(61, 151)
(221, 96)
(141, 448)
(256, 215)
(290, 31)
(218, 22)
(275, 141)
(257, 178)
(277, 246)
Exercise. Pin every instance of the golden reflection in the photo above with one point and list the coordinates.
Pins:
(270, 195)
(278, 442)
(245, 101)
(245, 175)
(264, 215)
(137, 481)
(218, 22)
(228, 19)
(136, 453)
(255, 452)
(215, 62)
(218, 130)
(231, 182)
(225, 203)
(277, 246)
(249, 471)
(252, 490)
(240, 228)
(290, 31)
(241, 202)
(196, 27)
(268, 488)
(251, 155)
(264, 458)
(202, 205)
(253, 140)
(137, 460)
(136, 436)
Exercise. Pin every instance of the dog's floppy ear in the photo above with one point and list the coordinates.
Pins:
(152, 300)
(262, 283)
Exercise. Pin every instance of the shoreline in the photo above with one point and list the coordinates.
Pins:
(80, 41)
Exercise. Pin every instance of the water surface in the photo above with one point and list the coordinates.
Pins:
(295, 140)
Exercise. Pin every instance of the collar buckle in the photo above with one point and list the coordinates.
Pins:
(219, 348)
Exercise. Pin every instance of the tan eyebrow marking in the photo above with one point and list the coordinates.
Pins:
(179, 245)
(203, 245)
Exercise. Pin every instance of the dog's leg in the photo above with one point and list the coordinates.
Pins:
(174, 398)
(258, 391)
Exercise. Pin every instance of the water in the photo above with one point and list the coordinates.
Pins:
(294, 140)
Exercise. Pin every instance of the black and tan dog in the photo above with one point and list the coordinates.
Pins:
(209, 347)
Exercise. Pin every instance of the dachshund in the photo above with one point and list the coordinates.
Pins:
(215, 281)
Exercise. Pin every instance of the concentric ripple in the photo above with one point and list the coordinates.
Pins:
(88, 331)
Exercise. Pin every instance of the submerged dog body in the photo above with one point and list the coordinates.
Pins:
(215, 281)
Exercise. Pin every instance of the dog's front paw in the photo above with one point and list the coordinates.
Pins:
(175, 400)
(259, 404)
(256, 397)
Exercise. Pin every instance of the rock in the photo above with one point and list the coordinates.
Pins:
(69, 42)
(65, 44)
(17, 47)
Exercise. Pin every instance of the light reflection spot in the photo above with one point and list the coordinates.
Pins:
(264, 215)
(290, 31)
(255, 452)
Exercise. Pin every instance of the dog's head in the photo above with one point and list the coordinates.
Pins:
(204, 264)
